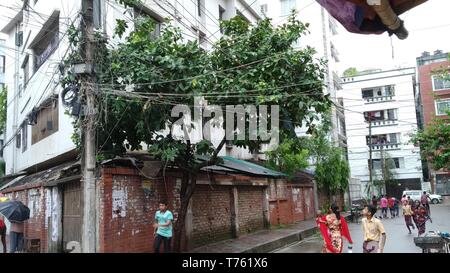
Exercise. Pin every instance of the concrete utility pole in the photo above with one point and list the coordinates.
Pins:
(88, 131)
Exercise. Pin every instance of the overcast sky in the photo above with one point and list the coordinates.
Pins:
(428, 24)
(429, 29)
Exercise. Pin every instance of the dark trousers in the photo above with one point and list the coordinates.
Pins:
(16, 242)
(165, 241)
(384, 212)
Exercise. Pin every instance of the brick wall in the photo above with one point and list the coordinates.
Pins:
(211, 214)
(130, 230)
(250, 204)
(34, 227)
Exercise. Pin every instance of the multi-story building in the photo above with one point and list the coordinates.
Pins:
(380, 116)
(433, 100)
(323, 29)
(38, 131)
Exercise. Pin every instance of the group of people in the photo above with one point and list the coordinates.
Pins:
(386, 203)
(418, 212)
(334, 228)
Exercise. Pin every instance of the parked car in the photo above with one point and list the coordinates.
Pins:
(416, 194)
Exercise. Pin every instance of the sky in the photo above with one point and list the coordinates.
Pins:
(429, 30)
(428, 25)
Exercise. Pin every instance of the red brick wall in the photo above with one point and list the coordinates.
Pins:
(426, 90)
(133, 232)
(250, 204)
(211, 214)
(34, 227)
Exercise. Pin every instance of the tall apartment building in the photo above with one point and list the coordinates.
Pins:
(323, 29)
(2, 82)
(433, 99)
(380, 115)
(38, 133)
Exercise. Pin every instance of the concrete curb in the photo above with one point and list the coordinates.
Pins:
(297, 236)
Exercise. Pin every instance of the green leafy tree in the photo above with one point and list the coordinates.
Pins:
(350, 72)
(434, 143)
(289, 157)
(249, 65)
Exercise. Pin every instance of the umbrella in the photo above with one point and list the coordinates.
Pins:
(363, 17)
(15, 211)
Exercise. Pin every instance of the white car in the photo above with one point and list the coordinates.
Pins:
(416, 194)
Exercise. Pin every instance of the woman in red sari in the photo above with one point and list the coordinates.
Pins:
(333, 227)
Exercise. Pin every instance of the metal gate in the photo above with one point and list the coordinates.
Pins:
(71, 213)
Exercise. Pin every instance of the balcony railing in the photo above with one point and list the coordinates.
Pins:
(379, 99)
(387, 146)
(379, 123)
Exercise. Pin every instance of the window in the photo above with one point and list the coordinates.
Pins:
(392, 163)
(47, 44)
(46, 121)
(24, 137)
(384, 139)
(287, 6)
(264, 9)
(221, 14)
(2, 64)
(202, 40)
(440, 84)
(381, 115)
(18, 139)
(199, 7)
(25, 68)
(442, 106)
(142, 12)
(379, 91)
(97, 13)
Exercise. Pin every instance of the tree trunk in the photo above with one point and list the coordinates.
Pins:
(187, 190)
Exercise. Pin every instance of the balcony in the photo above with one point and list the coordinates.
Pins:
(387, 146)
(379, 123)
(378, 94)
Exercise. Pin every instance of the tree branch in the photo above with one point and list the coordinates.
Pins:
(213, 158)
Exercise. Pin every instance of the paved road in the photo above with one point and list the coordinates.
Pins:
(398, 239)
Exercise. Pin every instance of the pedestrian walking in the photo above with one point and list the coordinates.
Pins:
(396, 207)
(424, 200)
(16, 237)
(404, 200)
(384, 206)
(374, 233)
(333, 228)
(3, 232)
(391, 202)
(163, 228)
(422, 217)
(407, 214)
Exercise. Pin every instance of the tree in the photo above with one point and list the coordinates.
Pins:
(3, 108)
(434, 143)
(289, 157)
(386, 175)
(142, 79)
(350, 72)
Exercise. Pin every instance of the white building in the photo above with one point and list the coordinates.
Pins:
(386, 99)
(38, 133)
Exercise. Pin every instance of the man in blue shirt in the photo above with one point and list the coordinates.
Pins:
(163, 227)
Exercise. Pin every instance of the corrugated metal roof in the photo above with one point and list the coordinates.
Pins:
(241, 166)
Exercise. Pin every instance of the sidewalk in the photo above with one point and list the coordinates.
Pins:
(263, 241)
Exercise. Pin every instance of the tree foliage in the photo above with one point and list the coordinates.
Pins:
(350, 72)
(141, 79)
(289, 157)
(434, 143)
